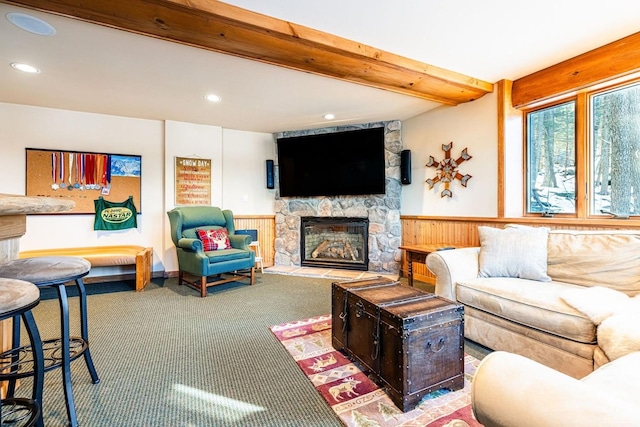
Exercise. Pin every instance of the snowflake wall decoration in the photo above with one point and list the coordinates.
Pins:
(447, 170)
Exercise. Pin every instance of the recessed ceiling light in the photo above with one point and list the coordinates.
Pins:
(25, 67)
(329, 116)
(31, 24)
(213, 98)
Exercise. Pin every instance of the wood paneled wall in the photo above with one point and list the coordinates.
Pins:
(461, 231)
(464, 232)
(266, 226)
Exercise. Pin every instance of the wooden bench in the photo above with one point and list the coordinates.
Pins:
(107, 256)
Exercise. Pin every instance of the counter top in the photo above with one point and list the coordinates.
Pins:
(13, 204)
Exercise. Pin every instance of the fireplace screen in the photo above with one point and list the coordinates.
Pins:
(335, 242)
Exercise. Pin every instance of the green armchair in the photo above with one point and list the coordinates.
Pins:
(238, 261)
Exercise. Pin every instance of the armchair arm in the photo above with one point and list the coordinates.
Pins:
(240, 241)
(450, 267)
(509, 390)
(191, 245)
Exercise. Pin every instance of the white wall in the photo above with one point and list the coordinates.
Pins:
(245, 155)
(238, 167)
(158, 143)
(514, 167)
(35, 127)
(237, 170)
(472, 125)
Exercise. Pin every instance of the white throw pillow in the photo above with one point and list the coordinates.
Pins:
(514, 252)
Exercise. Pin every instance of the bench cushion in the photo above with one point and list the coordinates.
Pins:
(106, 256)
(98, 256)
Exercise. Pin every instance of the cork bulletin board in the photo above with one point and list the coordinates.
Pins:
(83, 177)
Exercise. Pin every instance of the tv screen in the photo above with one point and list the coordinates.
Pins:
(332, 164)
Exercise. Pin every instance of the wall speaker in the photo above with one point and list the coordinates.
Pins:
(270, 181)
(405, 167)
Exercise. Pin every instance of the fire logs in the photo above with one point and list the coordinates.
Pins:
(335, 250)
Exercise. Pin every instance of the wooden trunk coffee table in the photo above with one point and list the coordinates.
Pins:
(410, 341)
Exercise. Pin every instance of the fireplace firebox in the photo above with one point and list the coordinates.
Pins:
(338, 242)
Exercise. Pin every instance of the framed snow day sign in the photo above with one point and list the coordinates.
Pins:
(193, 181)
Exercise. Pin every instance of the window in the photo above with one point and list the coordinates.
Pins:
(551, 160)
(600, 165)
(615, 151)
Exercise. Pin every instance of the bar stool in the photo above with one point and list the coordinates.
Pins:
(57, 271)
(17, 298)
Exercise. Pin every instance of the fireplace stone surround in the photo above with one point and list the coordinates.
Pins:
(382, 210)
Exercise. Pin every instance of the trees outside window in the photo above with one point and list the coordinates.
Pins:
(551, 159)
(608, 149)
(615, 151)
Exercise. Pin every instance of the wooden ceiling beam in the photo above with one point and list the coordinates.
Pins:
(616, 59)
(228, 29)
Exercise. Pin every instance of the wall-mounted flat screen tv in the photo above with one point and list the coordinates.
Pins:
(332, 164)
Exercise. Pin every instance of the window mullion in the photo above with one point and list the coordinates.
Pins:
(583, 168)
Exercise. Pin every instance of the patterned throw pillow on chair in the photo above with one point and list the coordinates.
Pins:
(214, 240)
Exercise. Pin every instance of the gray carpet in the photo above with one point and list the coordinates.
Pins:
(167, 357)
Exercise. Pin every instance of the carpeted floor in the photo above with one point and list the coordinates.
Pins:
(167, 357)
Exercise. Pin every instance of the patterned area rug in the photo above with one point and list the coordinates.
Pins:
(357, 400)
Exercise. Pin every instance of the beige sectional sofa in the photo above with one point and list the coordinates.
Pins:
(510, 390)
(543, 294)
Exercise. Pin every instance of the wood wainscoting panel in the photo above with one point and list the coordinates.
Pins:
(266, 226)
(464, 232)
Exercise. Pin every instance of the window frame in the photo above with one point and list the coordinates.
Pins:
(527, 184)
(583, 150)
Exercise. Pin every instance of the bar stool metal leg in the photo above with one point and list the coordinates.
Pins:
(15, 343)
(22, 361)
(84, 330)
(56, 272)
(65, 347)
(38, 360)
(38, 365)
(66, 358)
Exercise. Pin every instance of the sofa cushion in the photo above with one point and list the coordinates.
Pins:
(596, 258)
(528, 303)
(514, 252)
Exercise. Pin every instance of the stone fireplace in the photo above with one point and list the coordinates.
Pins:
(340, 242)
(381, 211)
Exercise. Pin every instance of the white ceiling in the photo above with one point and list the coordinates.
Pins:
(90, 68)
